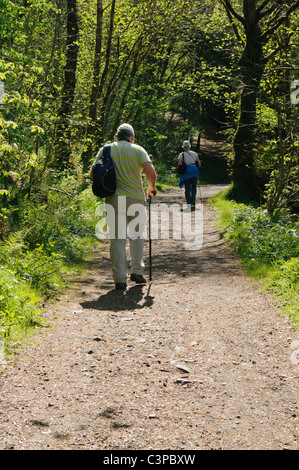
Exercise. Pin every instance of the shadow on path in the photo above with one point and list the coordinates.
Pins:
(115, 300)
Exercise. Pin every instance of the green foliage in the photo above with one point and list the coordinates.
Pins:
(287, 276)
(39, 268)
(186, 82)
(284, 283)
(55, 233)
(18, 306)
(165, 175)
(268, 247)
(58, 220)
(277, 133)
(256, 235)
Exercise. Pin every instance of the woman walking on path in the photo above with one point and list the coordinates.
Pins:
(190, 176)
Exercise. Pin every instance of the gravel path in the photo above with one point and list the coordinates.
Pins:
(199, 359)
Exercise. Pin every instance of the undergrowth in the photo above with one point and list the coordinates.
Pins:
(268, 248)
(53, 232)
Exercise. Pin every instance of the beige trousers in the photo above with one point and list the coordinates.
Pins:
(126, 219)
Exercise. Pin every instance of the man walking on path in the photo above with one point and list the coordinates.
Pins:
(129, 161)
(189, 178)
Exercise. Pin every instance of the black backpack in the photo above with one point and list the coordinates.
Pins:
(104, 177)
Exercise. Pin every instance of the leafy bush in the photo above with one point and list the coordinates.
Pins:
(63, 224)
(284, 283)
(38, 268)
(18, 305)
(259, 236)
(165, 174)
(54, 233)
(287, 275)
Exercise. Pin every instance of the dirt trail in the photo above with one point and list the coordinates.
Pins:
(201, 360)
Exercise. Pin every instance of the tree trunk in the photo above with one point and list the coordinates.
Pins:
(252, 67)
(97, 64)
(251, 71)
(95, 91)
(94, 127)
(62, 146)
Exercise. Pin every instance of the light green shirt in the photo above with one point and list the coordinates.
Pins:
(128, 160)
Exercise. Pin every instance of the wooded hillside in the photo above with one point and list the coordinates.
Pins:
(73, 70)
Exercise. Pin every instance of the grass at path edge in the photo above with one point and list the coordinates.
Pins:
(267, 247)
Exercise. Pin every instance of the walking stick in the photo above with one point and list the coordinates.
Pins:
(149, 235)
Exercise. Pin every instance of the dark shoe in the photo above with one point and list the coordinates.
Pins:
(120, 285)
(138, 278)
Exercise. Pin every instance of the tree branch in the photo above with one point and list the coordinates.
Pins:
(267, 13)
(228, 7)
(109, 5)
(60, 191)
(280, 21)
(233, 24)
(273, 53)
(259, 10)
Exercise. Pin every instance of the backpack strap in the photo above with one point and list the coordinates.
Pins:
(192, 156)
(106, 151)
